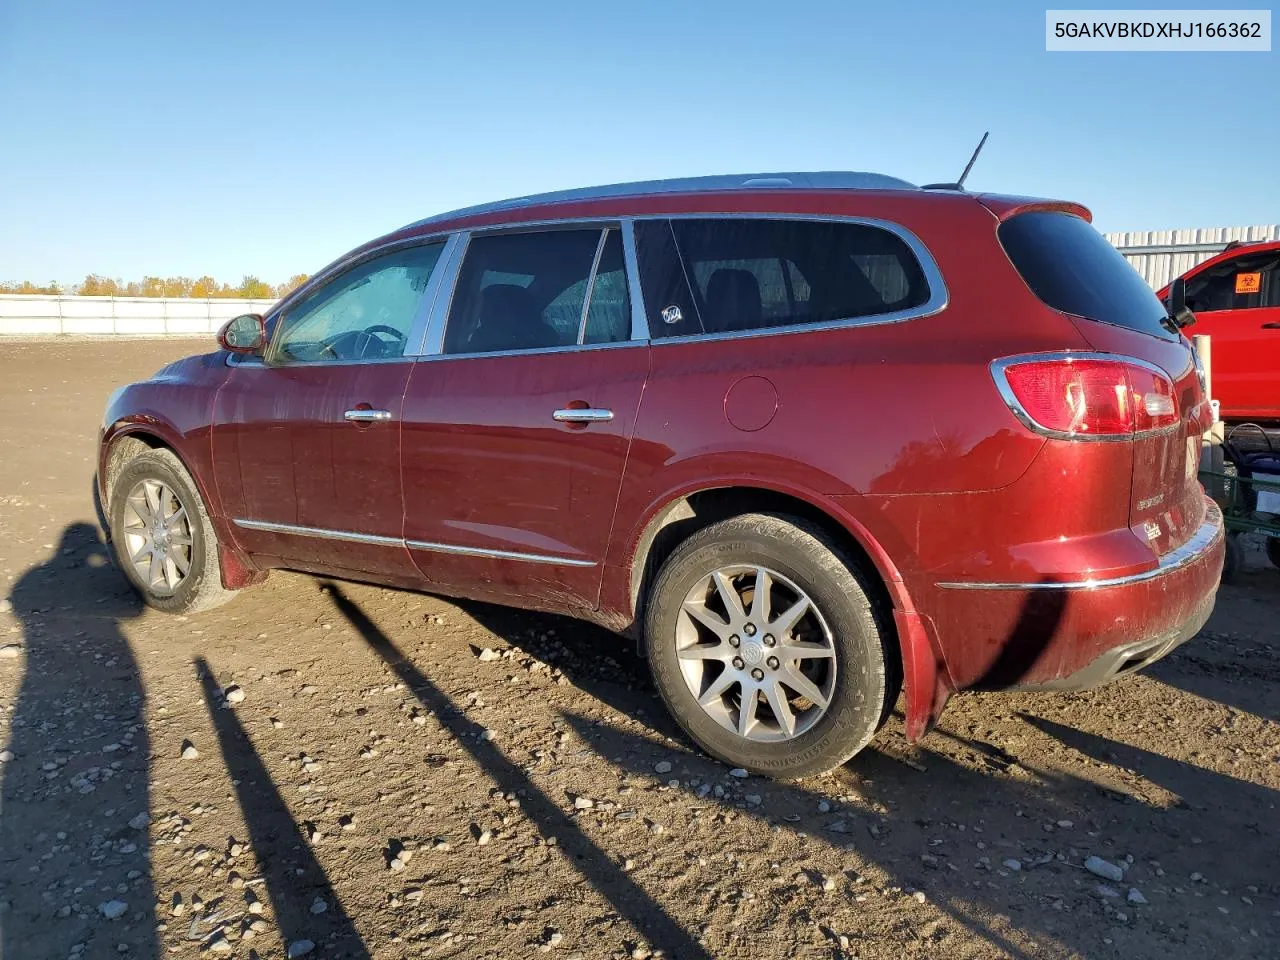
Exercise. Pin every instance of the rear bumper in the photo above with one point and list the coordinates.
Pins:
(1126, 659)
(1072, 635)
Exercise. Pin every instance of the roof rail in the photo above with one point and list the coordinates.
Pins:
(821, 180)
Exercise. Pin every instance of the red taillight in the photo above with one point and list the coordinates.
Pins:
(1087, 396)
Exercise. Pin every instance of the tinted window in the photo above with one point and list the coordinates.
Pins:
(521, 291)
(609, 316)
(668, 298)
(1244, 283)
(363, 314)
(1070, 267)
(748, 274)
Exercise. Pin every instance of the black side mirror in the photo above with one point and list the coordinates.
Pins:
(1179, 312)
(245, 334)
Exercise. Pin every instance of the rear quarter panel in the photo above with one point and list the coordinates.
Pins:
(880, 419)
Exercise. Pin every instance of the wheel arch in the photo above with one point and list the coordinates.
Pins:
(683, 514)
(125, 441)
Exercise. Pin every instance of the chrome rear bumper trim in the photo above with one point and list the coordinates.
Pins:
(1204, 539)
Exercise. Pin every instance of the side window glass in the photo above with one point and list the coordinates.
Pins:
(751, 273)
(1240, 284)
(668, 298)
(365, 313)
(521, 291)
(1271, 285)
(609, 316)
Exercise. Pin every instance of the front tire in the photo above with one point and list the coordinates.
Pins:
(766, 648)
(162, 536)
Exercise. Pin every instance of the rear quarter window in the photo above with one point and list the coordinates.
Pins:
(725, 275)
(1070, 267)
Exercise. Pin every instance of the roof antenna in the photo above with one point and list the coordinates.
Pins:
(959, 184)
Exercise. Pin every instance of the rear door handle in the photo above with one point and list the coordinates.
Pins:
(1273, 325)
(582, 415)
(367, 416)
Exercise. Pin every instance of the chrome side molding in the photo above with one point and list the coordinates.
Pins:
(322, 533)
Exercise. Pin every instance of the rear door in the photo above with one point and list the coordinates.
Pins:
(1071, 268)
(1237, 303)
(307, 444)
(517, 432)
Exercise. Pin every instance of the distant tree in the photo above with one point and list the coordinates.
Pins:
(204, 287)
(96, 286)
(177, 287)
(26, 286)
(253, 289)
(292, 284)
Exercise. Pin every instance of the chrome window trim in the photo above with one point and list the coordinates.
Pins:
(322, 533)
(1201, 542)
(939, 296)
(432, 346)
(999, 368)
(639, 320)
(532, 351)
(591, 286)
(433, 338)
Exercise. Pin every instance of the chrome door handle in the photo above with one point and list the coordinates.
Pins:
(367, 416)
(582, 415)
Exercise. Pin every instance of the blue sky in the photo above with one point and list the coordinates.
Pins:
(266, 138)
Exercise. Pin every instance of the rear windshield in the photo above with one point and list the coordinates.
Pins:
(1070, 267)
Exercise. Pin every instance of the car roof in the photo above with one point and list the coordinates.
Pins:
(720, 183)
(774, 193)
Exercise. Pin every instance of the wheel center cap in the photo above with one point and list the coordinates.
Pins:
(752, 652)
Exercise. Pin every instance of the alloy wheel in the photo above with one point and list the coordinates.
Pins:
(157, 535)
(756, 653)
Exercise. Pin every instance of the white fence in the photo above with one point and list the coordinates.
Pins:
(33, 315)
(1161, 255)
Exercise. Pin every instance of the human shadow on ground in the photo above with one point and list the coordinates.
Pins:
(293, 876)
(79, 773)
(601, 871)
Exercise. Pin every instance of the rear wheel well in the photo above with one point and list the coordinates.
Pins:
(686, 516)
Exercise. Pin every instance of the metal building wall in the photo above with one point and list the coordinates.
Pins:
(1161, 255)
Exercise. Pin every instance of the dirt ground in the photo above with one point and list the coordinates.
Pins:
(384, 791)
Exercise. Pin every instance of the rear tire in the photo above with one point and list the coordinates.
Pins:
(162, 536)
(1273, 550)
(708, 662)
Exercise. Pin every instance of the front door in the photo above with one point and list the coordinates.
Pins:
(307, 444)
(517, 434)
(1237, 303)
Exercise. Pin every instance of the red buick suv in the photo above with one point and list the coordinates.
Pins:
(812, 438)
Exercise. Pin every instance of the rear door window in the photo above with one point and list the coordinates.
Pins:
(726, 275)
(1070, 267)
(528, 291)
